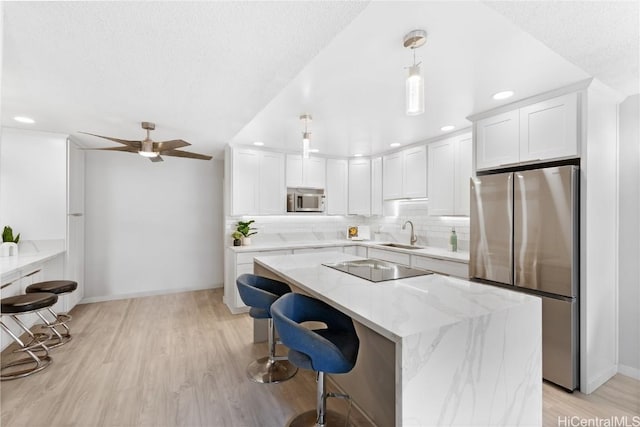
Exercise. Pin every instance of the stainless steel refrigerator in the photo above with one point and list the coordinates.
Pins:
(525, 234)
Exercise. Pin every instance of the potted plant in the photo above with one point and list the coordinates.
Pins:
(236, 238)
(244, 228)
(9, 243)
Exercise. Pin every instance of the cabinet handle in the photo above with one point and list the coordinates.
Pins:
(32, 273)
(509, 164)
(75, 214)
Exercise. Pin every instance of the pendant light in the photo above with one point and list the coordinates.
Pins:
(306, 135)
(415, 83)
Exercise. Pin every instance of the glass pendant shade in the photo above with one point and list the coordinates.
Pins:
(415, 91)
(305, 145)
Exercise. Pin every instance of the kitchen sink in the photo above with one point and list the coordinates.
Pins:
(401, 246)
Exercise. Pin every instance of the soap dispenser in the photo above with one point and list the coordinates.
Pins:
(453, 241)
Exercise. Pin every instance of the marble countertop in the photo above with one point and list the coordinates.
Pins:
(13, 264)
(397, 308)
(422, 251)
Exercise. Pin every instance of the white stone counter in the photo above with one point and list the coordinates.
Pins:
(29, 256)
(465, 353)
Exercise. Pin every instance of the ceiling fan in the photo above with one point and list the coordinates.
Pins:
(151, 149)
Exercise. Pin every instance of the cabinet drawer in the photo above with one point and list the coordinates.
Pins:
(247, 257)
(443, 266)
(397, 257)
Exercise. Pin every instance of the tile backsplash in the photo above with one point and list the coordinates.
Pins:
(431, 231)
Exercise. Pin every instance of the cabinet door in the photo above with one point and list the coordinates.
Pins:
(294, 170)
(314, 172)
(359, 187)
(376, 186)
(497, 140)
(74, 256)
(463, 170)
(337, 192)
(549, 129)
(271, 184)
(414, 182)
(244, 180)
(392, 176)
(391, 256)
(442, 177)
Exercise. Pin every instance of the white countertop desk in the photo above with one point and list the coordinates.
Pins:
(435, 350)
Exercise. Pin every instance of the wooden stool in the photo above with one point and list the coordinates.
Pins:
(24, 304)
(57, 287)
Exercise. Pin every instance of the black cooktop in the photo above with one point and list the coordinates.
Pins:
(375, 270)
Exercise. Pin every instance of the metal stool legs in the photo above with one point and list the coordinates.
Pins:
(58, 338)
(320, 416)
(272, 368)
(37, 344)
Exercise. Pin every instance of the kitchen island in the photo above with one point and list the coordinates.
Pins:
(434, 350)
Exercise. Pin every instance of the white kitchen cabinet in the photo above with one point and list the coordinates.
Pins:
(337, 191)
(392, 176)
(359, 187)
(497, 140)
(74, 256)
(449, 171)
(549, 129)
(441, 266)
(376, 186)
(257, 182)
(414, 182)
(405, 174)
(360, 251)
(236, 264)
(542, 131)
(309, 173)
(391, 256)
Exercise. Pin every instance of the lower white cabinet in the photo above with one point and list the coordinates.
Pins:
(360, 251)
(237, 263)
(391, 256)
(441, 266)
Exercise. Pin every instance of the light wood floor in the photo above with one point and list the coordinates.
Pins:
(180, 360)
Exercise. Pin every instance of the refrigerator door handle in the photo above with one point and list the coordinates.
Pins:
(510, 216)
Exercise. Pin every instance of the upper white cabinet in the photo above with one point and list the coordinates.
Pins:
(376, 186)
(449, 172)
(359, 187)
(257, 182)
(337, 186)
(309, 172)
(549, 129)
(405, 174)
(74, 256)
(543, 131)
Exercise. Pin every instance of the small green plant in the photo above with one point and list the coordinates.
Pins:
(244, 228)
(7, 235)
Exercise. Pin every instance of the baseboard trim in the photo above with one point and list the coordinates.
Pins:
(629, 371)
(596, 382)
(145, 294)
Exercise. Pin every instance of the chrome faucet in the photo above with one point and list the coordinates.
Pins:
(414, 239)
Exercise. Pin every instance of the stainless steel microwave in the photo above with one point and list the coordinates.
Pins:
(305, 200)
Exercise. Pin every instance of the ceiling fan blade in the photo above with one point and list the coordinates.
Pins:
(156, 159)
(170, 145)
(127, 149)
(178, 153)
(134, 144)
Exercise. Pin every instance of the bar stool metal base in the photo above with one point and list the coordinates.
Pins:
(39, 363)
(309, 418)
(268, 371)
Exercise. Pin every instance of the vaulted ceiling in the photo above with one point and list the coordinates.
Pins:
(236, 72)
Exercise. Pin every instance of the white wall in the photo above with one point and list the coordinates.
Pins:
(151, 227)
(33, 183)
(629, 239)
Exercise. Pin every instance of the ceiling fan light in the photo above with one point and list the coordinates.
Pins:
(148, 153)
(146, 150)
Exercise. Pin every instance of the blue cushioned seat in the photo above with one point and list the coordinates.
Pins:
(259, 293)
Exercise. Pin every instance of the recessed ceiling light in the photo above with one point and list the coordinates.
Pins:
(357, 155)
(314, 150)
(503, 95)
(394, 144)
(447, 128)
(258, 143)
(23, 119)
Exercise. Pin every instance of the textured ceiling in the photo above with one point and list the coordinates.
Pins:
(199, 70)
(219, 72)
(600, 37)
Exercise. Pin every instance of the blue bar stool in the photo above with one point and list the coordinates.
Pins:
(332, 350)
(260, 293)
(13, 307)
(58, 322)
